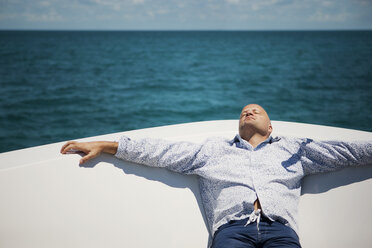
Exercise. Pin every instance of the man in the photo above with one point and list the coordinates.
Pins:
(250, 186)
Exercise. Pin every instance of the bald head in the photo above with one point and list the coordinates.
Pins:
(254, 122)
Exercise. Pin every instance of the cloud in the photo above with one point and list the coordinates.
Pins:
(327, 3)
(364, 2)
(191, 14)
(113, 4)
(138, 1)
(269, 5)
(44, 3)
(51, 16)
(320, 16)
(162, 11)
(233, 1)
(7, 16)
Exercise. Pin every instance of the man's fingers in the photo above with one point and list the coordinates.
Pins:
(67, 148)
(67, 144)
(90, 151)
(87, 157)
(74, 148)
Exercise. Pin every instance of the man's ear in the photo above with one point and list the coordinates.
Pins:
(270, 128)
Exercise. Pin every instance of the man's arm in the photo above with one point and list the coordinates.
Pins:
(324, 156)
(181, 157)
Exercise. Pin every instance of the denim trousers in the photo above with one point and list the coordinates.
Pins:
(267, 234)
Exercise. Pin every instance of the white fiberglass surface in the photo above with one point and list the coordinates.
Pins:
(48, 200)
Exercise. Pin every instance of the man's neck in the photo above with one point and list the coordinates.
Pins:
(254, 139)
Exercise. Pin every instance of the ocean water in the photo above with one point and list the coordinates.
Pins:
(64, 85)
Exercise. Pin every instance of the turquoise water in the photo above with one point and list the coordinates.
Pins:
(62, 85)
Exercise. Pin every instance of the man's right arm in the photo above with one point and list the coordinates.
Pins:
(181, 157)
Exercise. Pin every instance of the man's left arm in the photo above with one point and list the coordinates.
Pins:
(324, 156)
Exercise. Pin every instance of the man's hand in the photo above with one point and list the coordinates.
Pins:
(91, 149)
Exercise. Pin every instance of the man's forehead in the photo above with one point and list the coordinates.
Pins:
(253, 106)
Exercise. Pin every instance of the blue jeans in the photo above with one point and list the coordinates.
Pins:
(269, 234)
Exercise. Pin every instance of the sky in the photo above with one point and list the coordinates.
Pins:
(185, 14)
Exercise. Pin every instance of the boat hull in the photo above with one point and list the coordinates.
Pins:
(48, 200)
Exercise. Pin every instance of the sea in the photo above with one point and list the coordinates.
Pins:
(64, 85)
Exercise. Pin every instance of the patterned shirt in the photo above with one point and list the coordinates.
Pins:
(232, 174)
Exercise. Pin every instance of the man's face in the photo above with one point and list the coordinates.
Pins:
(254, 118)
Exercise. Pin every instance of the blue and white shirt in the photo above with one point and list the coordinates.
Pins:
(232, 174)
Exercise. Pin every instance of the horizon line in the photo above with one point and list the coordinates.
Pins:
(187, 30)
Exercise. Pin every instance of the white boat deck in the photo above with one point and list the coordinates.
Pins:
(48, 200)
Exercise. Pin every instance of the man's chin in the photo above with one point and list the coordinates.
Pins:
(246, 127)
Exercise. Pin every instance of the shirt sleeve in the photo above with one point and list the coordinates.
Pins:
(325, 156)
(182, 157)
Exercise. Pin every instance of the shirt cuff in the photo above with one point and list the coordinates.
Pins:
(122, 147)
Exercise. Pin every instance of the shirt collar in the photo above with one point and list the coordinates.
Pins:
(242, 143)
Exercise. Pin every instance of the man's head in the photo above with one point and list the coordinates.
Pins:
(254, 121)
